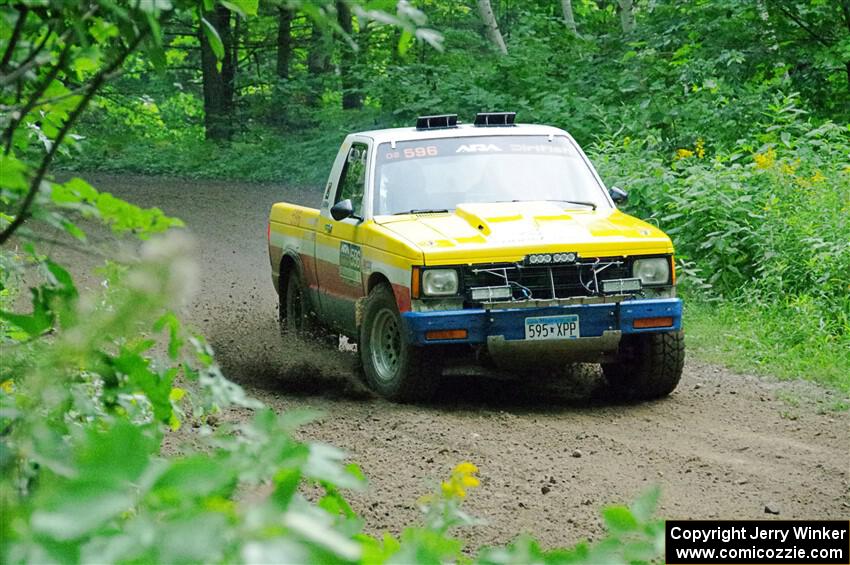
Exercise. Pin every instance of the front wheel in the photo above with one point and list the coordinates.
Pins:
(393, 367)
(648, 365)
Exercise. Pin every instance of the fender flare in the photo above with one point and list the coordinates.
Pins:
(291, 260)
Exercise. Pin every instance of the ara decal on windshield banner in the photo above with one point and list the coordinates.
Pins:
(350, 257)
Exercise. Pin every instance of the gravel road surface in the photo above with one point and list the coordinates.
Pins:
(724, 445)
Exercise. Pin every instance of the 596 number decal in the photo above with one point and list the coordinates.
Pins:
(414, 152)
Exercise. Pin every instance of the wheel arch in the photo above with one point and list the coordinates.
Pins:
(376, 279)
(291, 262)
(288, 263)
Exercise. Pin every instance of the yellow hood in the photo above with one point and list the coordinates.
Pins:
(511, 230)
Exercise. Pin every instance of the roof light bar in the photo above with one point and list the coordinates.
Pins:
(442, 121)
(495, 119)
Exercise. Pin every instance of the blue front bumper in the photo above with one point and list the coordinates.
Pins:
(509, 323)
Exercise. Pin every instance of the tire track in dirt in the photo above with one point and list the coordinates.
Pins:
(722, 446)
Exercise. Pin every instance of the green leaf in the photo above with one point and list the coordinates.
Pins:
(175, 342)
(242, 7)
(644, 507)
(324, 463)
(12, 174)
(619, 519)
(36, 323)
(286, 483)
(109, 463)
(405, 42)
(79, 509)
(197, 476)
(154, 6)
(215, 40)
(194, 539)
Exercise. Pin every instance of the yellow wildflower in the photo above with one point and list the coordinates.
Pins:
(466, 468)
(684, 153)
(452, 490)
(463, 477)
(700, 148)
(818, 177)
(765, 160)
(8, 386)
(788, 169)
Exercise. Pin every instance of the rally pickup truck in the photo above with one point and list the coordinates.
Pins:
(493, 242)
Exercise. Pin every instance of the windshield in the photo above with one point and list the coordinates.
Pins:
(439, 174)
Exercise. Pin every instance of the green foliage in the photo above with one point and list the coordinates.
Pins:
(761, 231)
(755, 338)
(764, 222)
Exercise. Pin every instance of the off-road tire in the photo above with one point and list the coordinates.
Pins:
(648, 365)
(392, 367)
(295, 313)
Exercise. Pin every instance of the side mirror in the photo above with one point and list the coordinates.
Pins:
(342, 210)
(618, 195)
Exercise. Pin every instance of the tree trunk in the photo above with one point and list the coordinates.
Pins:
(845, 8)
(218, 84)
(770, 32)
(569, 18)
(318, 61)
(491, 26)
(627, 15)
(351, 97)
(284, 42)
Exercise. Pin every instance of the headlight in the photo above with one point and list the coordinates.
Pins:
(653, 271)
(439, 282)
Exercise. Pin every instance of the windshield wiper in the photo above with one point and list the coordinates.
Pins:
(422, 211)
(579, 202)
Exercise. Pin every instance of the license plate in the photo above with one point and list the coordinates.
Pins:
(552, 327)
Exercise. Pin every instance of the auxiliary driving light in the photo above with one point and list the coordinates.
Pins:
(621, 286)
(489, 293)
(547, 258)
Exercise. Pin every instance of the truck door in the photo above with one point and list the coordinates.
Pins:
(339, 255)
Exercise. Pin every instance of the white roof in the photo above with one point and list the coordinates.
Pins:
(462, 130)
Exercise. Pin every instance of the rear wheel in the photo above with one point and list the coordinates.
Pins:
(392, 366)
(648, 365)
(295, 314)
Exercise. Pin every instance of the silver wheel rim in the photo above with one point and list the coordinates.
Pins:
(385, 341)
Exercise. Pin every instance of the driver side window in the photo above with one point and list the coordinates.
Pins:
(352, 180)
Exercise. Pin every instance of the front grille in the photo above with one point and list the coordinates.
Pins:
(542, 282)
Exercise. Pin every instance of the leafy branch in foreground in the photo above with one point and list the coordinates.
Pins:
(77, 40)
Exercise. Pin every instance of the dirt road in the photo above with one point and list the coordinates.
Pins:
(722, 446)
